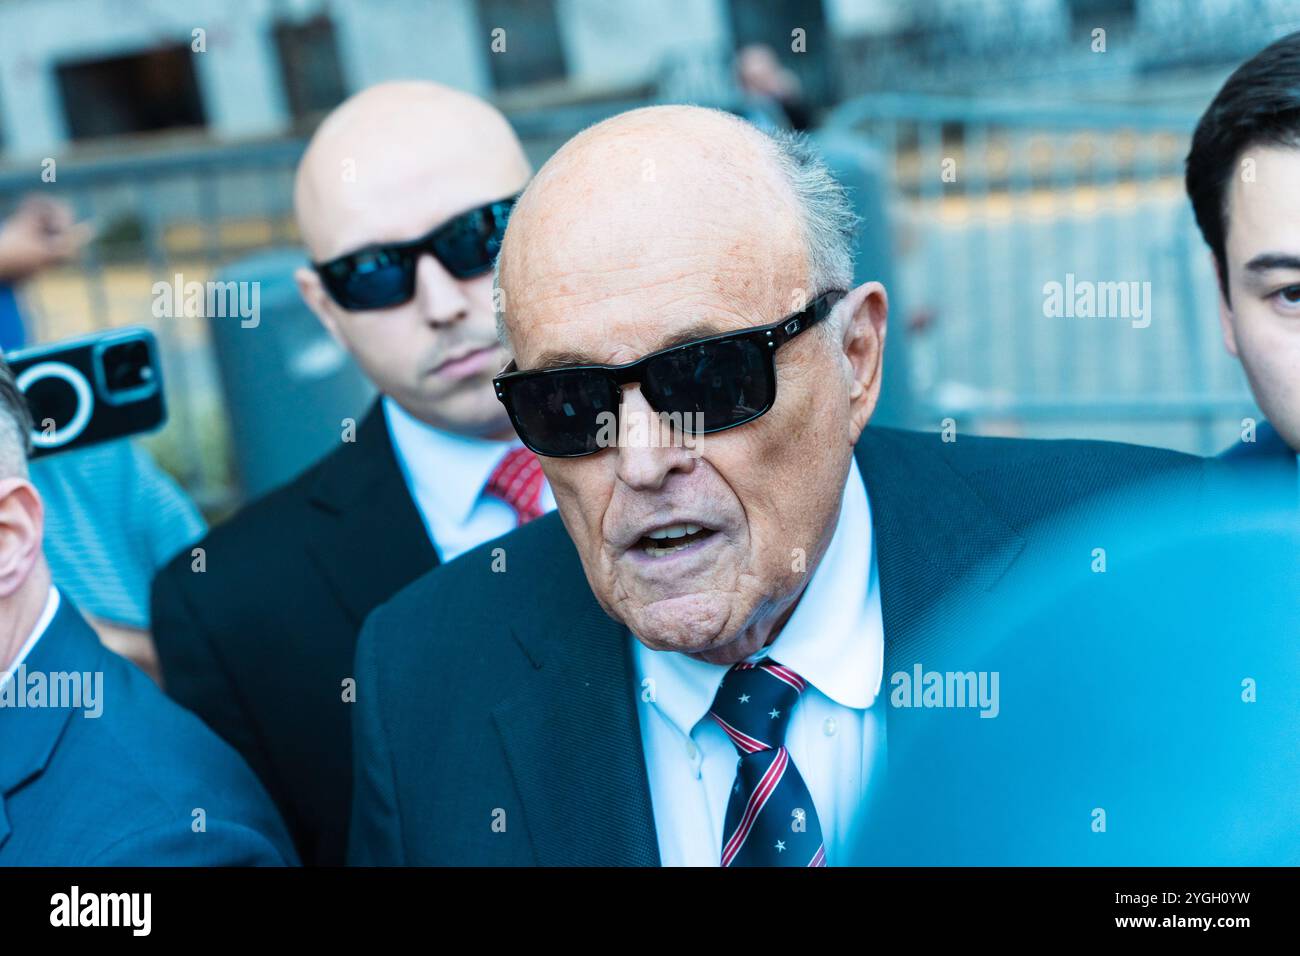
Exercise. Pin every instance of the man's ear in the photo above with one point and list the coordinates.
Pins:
(317, 299)
(864, 348)
(1226, 318)
(22, 525)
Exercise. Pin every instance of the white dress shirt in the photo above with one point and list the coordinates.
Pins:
(835, 641)
(445, 475)
(42, 625)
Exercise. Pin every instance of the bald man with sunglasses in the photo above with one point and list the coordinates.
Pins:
(402, 197)
(697, 663)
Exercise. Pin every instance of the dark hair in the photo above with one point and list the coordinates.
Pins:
(13, 407)
(1259, 105)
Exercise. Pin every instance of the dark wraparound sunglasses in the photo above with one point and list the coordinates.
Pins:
(727, 380)
(383, 275)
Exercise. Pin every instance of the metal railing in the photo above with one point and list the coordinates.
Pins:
(1037, 193)
(997, 204)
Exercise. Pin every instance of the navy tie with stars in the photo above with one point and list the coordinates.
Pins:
(771, 820)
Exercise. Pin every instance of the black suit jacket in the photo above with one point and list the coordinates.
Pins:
(496, 718)
(260, 643)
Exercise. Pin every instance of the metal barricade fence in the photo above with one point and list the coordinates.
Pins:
(991, 203)
(1055, 280)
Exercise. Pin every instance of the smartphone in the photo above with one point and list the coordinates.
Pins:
(91, 389)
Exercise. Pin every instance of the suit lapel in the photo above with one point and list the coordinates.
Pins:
(371, 540)
(28, 736)
(573, 744)
(938, 545)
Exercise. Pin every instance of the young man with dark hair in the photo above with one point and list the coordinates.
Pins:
(1243, 178)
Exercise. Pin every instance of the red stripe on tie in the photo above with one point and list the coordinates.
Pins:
(740, 738)
(757, 800)
(784, 673)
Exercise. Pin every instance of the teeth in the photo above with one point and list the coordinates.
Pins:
(665, 541)
(673, 531)
(656, 552)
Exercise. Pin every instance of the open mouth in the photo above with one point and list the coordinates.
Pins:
(673, 538)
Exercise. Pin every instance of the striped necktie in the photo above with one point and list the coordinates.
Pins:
(771, 820)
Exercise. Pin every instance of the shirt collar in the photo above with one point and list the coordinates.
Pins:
(449, 470)
(833, 639)
(42, 625)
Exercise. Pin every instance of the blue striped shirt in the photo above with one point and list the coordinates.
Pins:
(112, 519)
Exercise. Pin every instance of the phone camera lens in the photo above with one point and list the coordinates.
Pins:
(126, 367)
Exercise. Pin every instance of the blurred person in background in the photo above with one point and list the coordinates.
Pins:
(401, 197)
(763, 79)
(39, 234)
(1243, 178)
(97, 766)
(112, 516)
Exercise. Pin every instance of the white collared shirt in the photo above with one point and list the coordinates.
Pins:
(835, 641)
(445, 475)
(42, 625)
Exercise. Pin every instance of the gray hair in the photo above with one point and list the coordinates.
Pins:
(15, 426)
(829, 222)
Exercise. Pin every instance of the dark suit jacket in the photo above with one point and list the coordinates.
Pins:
(121, 788)
(260, 643)
(496, 716)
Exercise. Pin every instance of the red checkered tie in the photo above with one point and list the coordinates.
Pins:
(518, 481)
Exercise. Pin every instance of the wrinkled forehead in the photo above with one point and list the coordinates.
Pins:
(639, 250)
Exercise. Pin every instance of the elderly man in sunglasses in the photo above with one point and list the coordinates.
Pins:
(402, 198)
(689, 664)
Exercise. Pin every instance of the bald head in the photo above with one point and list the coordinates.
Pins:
(391, 165)
(661, 192)
(392, 145)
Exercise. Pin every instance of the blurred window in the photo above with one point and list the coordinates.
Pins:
(309, 67)
(152, 90)
(533, 53)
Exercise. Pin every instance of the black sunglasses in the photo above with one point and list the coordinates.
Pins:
(383, 275)
(716, 383)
